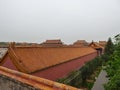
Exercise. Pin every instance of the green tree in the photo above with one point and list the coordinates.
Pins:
(109, 48)
(117, 39)
(113, 68)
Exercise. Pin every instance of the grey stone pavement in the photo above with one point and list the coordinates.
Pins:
(3, 51)
(98, 85)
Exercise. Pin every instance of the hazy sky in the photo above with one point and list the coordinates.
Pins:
(68, 20)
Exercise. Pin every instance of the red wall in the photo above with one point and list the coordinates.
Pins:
(61, 70)
(8, 63)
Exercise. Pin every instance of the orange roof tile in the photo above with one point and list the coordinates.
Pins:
(37, 82)
(31, 59)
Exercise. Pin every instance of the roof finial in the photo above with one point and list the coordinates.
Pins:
(12, 44)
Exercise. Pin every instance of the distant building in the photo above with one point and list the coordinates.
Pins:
(103, 43)
(98, 47)
(52, 43)
(80, 43)
(47, 62)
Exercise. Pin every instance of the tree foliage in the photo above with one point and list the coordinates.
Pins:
(78, 78)
(113, 67)
(109, 48)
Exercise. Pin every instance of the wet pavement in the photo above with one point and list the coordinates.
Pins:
(101, 80)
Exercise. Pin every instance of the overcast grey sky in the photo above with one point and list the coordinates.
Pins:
(68, 20)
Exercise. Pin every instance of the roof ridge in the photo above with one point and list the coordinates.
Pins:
(16, 61)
